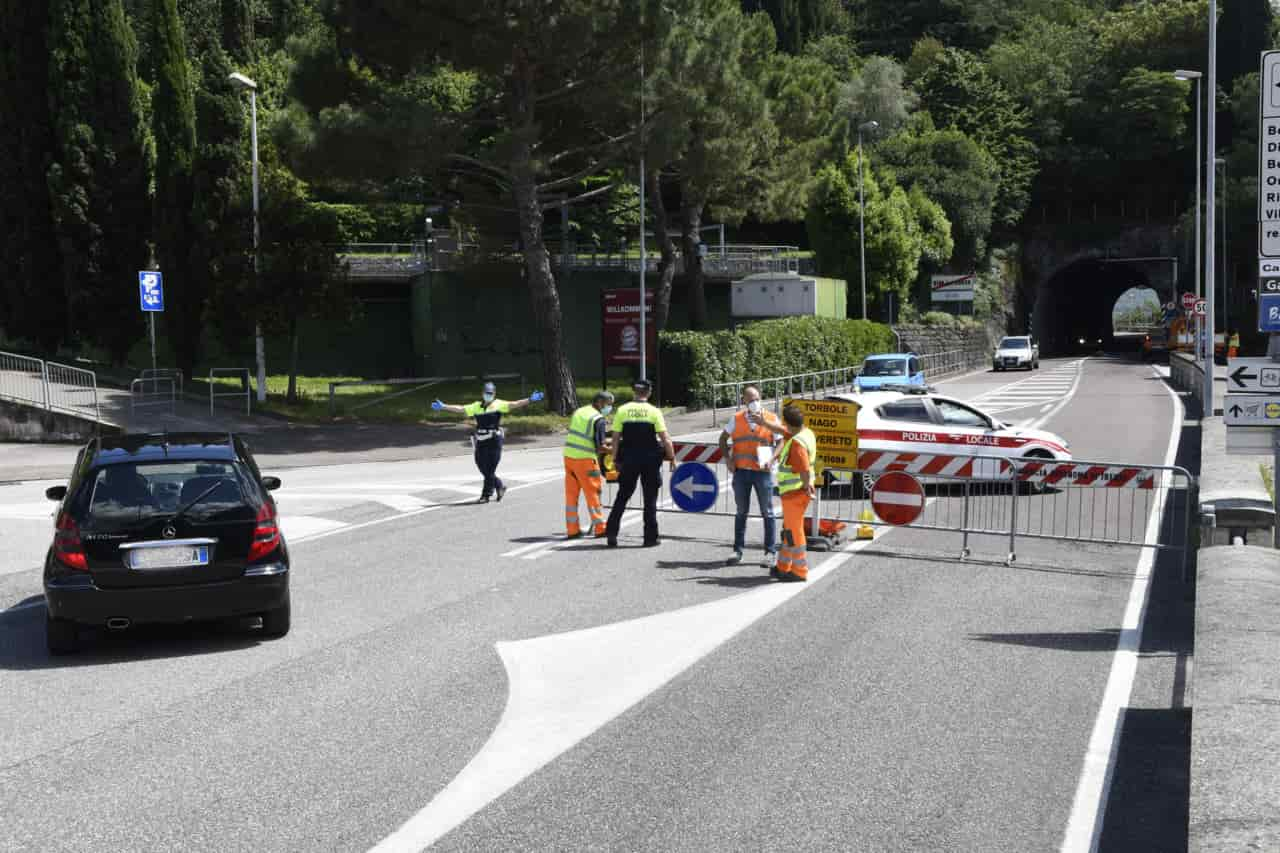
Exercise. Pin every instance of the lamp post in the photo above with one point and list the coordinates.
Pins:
(1195, 75)
(1211, 144)
(862, 214)
(259, 349)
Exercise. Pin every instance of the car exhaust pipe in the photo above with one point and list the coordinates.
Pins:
(117, 623)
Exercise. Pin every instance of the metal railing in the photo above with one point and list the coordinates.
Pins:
(246, 390)
(720, 260)
(166, 373)
(153, 392)
(990, 500)
(938, 364)
(418, 384)
(384, 260)
(49, 385)
(1187, 374)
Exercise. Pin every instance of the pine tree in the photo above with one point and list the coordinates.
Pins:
(174, 125)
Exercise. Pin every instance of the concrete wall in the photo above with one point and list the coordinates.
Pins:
(29, 424)
(933, 339)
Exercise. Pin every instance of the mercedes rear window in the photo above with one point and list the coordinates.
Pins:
(132, 490)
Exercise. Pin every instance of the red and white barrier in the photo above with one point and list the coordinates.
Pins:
(689, 452)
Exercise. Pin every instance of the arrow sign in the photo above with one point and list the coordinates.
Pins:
(694, 487)
(1257, 375)
(1236, 411)
(1251, 410)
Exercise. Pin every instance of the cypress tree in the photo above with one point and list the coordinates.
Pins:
(174, 125)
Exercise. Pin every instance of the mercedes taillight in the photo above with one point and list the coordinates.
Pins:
(67, 547)
(266, 533)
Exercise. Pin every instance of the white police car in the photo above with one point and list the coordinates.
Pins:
(923, 432)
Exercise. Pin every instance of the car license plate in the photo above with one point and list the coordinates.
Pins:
(174, 557)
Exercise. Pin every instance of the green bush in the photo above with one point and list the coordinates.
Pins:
(693, 362)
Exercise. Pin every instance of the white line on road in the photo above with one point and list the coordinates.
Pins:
(1090, 804)
(564, 687)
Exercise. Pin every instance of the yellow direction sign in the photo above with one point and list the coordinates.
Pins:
(835, 425)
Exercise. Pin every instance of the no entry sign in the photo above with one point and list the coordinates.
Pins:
(897, 498)
(1188, 301)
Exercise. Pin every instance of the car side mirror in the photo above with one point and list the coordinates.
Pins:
(56, 493)
(270, 483)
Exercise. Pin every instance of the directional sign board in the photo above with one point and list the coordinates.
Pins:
(1251, 410)
(897, 498)
(1269, 156)
(1269, 312)
(694, 487)
(1253, 375)
(1268, 268)
(150, 290)
(835, 425)
(1268, 285)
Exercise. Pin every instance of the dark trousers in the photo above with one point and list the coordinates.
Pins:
(488, 455)
(650, 479)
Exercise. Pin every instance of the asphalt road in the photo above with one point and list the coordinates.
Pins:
(457, 674)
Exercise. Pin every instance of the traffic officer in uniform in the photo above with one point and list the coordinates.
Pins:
(487, 436)
(583, 447)
(795, 485)
(752, 433)
(640, 444)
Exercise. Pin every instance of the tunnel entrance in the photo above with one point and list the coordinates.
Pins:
(1074, 309)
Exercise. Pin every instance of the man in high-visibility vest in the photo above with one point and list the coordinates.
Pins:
(1233, 344)
(585, 443)
(795, 485)
(640, 444)
(752, 432)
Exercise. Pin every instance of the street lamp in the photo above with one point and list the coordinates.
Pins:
(1195, 75)
(245, 83)
(1211, 145)
(862, 214)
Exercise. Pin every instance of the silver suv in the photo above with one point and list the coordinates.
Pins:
(1019, 351)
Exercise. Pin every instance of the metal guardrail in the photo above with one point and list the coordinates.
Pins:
(1102, 503)
(214, 394)
(49, 385)
(151, 392)
(728, 260)
(165, 372)
(418, 384)
(1187, 374)
(385, 260)
(954, 361)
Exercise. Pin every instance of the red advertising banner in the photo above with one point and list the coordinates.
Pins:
(620, 332)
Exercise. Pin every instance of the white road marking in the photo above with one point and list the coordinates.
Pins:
(398, 502)
(565, 687)
(302, 527)
(1090, 803)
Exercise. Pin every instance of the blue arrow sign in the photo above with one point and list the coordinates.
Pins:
(1269, 312)
(694, 487)
(151, 290)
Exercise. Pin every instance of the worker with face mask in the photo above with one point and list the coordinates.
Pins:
(487, 436)
(752, 432)
(584, 444)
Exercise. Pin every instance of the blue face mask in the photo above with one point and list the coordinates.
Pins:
(488, 398)
(606, 410)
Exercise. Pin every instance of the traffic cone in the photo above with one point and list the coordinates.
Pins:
(865, 530)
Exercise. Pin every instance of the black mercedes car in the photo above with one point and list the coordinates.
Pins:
(164, 528)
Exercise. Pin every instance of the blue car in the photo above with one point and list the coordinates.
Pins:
(900, 368)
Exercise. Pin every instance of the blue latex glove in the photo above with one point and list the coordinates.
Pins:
(437, 405)
(536, 396)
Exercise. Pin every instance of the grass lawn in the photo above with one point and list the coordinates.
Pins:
(364, 403)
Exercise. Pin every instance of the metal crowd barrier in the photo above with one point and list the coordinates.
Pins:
(166, 373)
(246, 392)
(777, 388)
(49, 385)
(1104, 503)
(151, 392)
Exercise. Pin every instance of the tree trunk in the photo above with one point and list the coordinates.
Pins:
(562, 396)
(691, 242)
(293, 360)
(667, 246)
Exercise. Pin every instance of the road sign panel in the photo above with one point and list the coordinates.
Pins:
(835, 425)
(1250, 441)
(1253, 375)
(897, 498)
(150, 290)
(694, 487)
(1251, 410)
(1269, 312)
(1188, 301)
(1269, 239)
(1201, 307)
(1268, 268)
(1269, 155)
(1269, 285)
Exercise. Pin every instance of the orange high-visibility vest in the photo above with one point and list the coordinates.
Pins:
(748, 439)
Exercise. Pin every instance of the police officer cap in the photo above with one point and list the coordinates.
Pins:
(642, 385)
(490, 388)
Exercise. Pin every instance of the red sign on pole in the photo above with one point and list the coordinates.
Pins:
(620, 335)
(897, 498)
(1188, 301)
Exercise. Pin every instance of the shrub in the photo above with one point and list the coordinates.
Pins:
(693, 362)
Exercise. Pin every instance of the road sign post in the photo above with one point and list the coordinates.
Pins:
(694, 487)
(151, 301)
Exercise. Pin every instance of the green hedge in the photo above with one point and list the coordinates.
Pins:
(692, 362)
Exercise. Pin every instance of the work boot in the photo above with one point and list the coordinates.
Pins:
(612, 543)
(790, 577)
(577, 535)
(484, 499)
